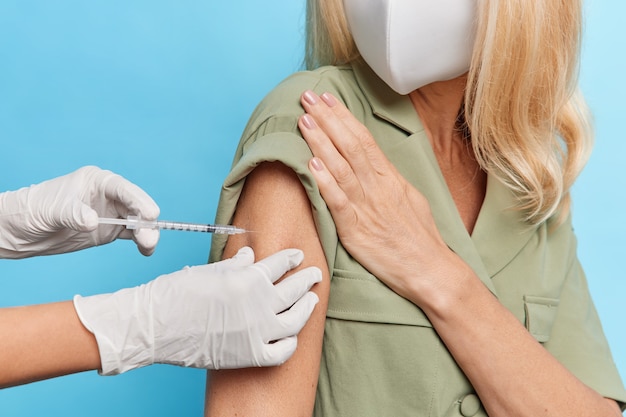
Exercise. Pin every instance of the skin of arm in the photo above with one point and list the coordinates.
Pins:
(446, 288)
(275, 207)
(44, 341)
(553, 389)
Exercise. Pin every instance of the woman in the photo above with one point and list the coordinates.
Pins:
(451, 284)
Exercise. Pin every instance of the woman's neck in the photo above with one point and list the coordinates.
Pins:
(438, 106)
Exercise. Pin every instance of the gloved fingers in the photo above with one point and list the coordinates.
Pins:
(133, 199)
(146, 240)
(127, 198)
(244, 257)
(275, 266)
(58, 203)
(293, 320)
(124, 234)
(277, 353)
(292, 288)
(79, 217)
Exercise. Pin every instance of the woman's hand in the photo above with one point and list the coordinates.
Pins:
(381, 219)
(386, 224)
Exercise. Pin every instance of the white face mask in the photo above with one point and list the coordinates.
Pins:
(412, 43)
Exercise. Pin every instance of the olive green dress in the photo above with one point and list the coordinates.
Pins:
(381, 356)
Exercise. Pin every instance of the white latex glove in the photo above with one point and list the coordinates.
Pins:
(227, 314)
(61, 215)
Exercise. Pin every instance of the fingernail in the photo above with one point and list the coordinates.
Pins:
(308, 121)
(316, 163)
(310, 97)
(329, 99)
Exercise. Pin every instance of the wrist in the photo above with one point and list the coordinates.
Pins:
(120, 324)
(451, 280)
(13, 242)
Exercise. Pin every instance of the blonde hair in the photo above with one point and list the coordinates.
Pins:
(529, 124)
(328, 39)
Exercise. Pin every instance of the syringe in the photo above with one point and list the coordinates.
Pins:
(135, 222)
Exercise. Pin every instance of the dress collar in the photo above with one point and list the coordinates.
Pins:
(386, 103)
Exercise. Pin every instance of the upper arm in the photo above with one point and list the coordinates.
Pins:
(614, 406)
(275, 207)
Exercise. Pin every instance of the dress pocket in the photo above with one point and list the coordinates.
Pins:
(360, 296)
(540, 315)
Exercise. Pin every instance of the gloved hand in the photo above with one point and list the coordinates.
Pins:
(61, 215)
(215, 316)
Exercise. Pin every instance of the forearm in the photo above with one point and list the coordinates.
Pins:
(512, 373)
(44, 341)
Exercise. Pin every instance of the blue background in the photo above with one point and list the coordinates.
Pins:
(159, 92)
